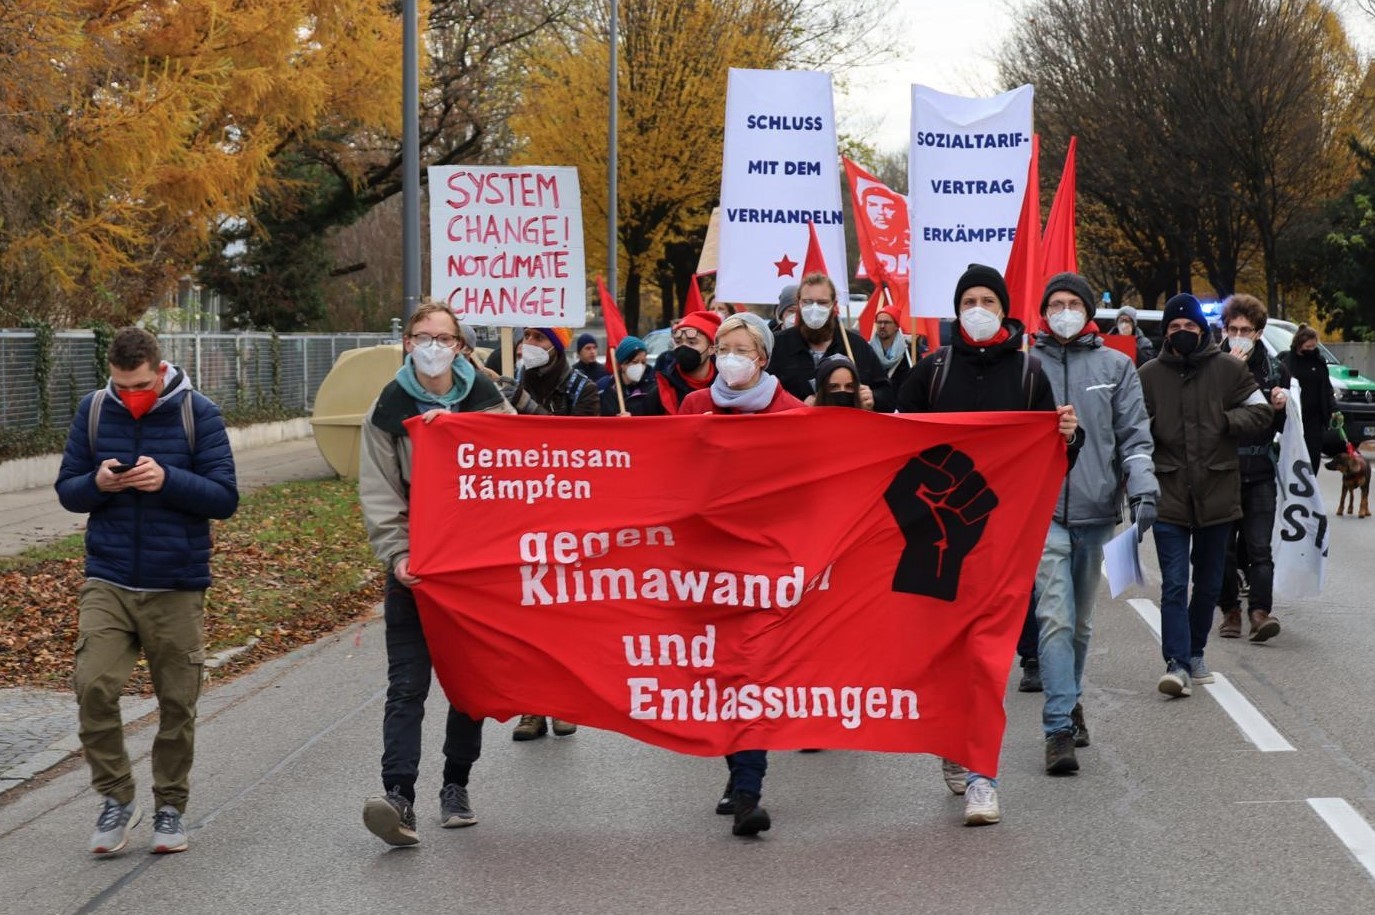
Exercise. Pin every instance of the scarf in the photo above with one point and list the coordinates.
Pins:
(463, 373)
(899, 350)
(750, 400)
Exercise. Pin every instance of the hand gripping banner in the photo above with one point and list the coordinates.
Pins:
(817, 578)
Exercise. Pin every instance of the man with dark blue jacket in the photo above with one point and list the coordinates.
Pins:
(148, 458)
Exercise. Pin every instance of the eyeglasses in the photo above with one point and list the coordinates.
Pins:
(1055, 308)
(445, 340)
(1235, 329)
(689, 337)
(750, 353)
(815, 302)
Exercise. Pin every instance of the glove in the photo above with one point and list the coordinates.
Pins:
(1143, 516)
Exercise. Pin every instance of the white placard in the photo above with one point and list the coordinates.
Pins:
(780, 171)
(966, 176)
(1299, 540)
(506, 247)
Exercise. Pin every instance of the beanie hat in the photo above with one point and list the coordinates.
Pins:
(1183, 306)
(893, 311)
(751, 319)
(628, 347)
(787, 298)
(1067, 282)
(559, 336)
(979, 275)
(826, 366)
(707, 322)
(469, 338)
(1126, 311)
(583, 340)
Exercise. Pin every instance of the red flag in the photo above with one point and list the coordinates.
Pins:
(815, 261)
(885, 619)
(1023, 273)
(694, 298)
(615, 324)
(1059, 251)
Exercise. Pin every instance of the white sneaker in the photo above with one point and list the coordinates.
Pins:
(981, 803)
(954, 774)
(1201, 673)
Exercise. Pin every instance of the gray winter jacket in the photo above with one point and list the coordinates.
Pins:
(1103, 386)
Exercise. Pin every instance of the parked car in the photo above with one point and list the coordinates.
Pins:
(657, 342)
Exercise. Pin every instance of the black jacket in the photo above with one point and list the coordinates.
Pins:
(640, 399)
(1255, 452)
(793, 366)
(1317, 399)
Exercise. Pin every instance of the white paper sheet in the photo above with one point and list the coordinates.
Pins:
(1123, 561)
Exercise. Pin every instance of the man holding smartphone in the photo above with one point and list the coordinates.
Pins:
(149, 459)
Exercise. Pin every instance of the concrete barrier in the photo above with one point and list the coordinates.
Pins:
(1360, 356)
(32, 472)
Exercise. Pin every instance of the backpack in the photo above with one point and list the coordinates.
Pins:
(188, 419)
(1031, 365)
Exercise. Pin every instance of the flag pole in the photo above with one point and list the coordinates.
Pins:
(616, 377)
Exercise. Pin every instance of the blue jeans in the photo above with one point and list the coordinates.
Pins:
(747, 768)
(408, 686)
(1067, 585)
(1185, 618)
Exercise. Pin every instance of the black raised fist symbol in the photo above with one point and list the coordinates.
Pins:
(942, 504)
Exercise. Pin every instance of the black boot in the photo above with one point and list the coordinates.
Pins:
(750, 818)
(1031, 676)
(726, 806)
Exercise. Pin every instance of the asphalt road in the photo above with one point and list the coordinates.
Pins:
(1176, 808)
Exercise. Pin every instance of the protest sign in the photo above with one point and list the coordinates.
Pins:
(1299, 540)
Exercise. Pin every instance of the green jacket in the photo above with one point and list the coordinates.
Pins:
(1199, 407)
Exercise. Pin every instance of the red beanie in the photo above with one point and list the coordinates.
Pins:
(707, 322)
(893, 311)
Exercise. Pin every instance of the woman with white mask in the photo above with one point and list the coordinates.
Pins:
(639, 387)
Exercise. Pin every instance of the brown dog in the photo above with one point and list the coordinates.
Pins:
(1355, 471)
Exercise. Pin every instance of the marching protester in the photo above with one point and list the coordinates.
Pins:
(1317, 400)
(837, 383)
(743, 347)
(147, 457)
(785, 315)
(1248, 545)
(891, 345)
(1102, 386)
(430, 381)
(983, 369)
(689, 366)
(588, 362)
(639, 386)
(800, 349)
(1126, 326)
(1201, 403)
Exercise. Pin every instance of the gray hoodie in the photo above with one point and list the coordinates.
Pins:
(1103, 386)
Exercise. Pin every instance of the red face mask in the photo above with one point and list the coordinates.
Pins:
(138, 402)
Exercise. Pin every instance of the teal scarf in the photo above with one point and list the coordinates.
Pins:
(463, 383)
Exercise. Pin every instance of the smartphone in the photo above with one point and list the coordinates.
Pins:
(121, 468)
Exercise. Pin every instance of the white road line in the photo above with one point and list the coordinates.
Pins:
(1254, 726)
(1350, 827)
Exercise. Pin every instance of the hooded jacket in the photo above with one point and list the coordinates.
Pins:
(151, 541)
(1200, 406)
(1103, 386)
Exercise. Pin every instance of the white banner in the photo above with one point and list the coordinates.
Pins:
(1299, 542)
(780, 171)
(966, 176)
(506, 245)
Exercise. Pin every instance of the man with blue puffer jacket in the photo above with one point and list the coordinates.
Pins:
(148, 458)
(1102, 385)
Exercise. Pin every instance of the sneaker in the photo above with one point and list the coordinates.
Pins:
(169, 835)
(750, 818)
(981, 803)
(954, 775)
(1230, 627)
(1198, 669)
(564, 728)
(454, 809)
(726, 806)
(1175, 682)
(391, 818)
(1081, 730)
(1031, 676)
(1060, 758)
(113, 825)
(530, 727)
(1263, 626)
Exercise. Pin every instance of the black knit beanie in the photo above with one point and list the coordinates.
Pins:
(980, 275)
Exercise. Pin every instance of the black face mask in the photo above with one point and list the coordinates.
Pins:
(836, 399)
(687, 358)
(1184, 342)
(1308, 354)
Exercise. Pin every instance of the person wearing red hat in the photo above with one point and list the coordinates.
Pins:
(690, 365)
(891, 345)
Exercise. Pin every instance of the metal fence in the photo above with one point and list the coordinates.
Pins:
(244, 370)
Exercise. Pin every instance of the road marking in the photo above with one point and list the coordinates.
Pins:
(1254, 726)
(1354, 832)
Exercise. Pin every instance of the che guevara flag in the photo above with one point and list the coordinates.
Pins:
(816, 578)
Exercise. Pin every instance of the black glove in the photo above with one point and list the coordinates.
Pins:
(1143, 516)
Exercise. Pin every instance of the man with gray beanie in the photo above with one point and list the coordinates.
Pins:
(1126, 325)
(1200, 405)
(1104, 389)
(785, 315)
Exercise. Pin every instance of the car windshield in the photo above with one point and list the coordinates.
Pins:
(1281, 337)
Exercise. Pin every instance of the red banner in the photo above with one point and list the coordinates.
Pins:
(715, 583)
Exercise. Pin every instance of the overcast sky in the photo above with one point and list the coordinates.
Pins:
(952, 46)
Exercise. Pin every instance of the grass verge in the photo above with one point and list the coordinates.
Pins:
(291, 566)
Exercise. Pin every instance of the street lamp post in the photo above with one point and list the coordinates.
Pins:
(611, 159)
(410, 156)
